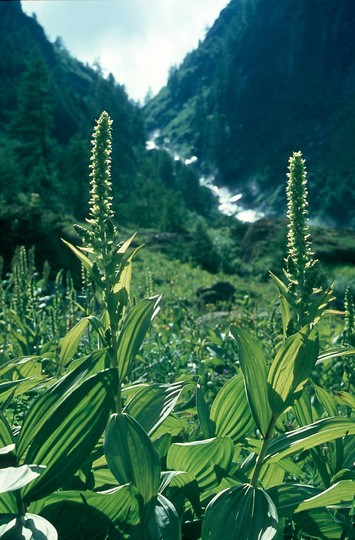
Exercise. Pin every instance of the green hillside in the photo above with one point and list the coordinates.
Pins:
(270, 78)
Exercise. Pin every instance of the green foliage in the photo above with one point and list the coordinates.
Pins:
(241, 441)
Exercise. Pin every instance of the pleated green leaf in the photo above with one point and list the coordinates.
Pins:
(103, 478)
(162, 444)
(153, 403)
(88, 265)
(6, 436)
(120, 257)
(344, 398)
(207, 460)
(335, 353)
(70, 343)
(28, 526)
(319, 523)
(132, 457)
(68, 436)
(286, 302)
(340, 495)
(13, 478)
(230, 411)
(18, 387)
(172, 424)
(7, 449)
(291, 369)
(46, 404)
(271, 475)
(26, 367)
(165, 523)
(134, 331)
(243, 512)
(184, 481)
(8, 504)
(253, 365)
(112, 514)
(287, 497)
(324, 430)
(18, 363)
(304, 415)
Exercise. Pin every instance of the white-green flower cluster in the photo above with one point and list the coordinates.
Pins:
(301, 267)
(101, 235)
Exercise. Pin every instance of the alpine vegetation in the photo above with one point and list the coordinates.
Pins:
(92, 447)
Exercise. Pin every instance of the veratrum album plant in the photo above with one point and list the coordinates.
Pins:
(100, 456)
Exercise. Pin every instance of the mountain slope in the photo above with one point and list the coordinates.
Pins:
(49, 102)
(270, 77)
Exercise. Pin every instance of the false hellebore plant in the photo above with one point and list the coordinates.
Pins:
(89, 459)
(64, 426)
(302, 300)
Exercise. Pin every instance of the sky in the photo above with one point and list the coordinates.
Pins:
(135, 40)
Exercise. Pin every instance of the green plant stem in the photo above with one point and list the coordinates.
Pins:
(21, 507)
(261, 456)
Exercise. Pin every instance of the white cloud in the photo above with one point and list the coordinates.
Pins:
(136, 40)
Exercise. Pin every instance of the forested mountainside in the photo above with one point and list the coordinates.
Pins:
(48, 105)
(270, 77)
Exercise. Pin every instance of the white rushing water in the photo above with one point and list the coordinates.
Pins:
(229, 202)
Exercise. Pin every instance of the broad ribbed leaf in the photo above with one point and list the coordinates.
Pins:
(271, 475)
(165, 523)
(253, 365)
(153, 403)
(88, 265)
(291, 369)
(75, 514)
(340, 495)
(335, 353)
(19, 387)
(207, 460)
(120, 295)
(6, 436)
(27, 367)
(134, 331)
(304, 414)
(7, 449)
(243, 512)
(344, 398)
(132, 457)
(184, 481)
(46, 404)
(13, 478)
(303, 410)
(319, 523)
(286, 302)
(162, 444)
(120, 257)
(70, 343)
(325, 430)
(69, 434)
(8, 504)
(230, 411)
(172, 424)
(29, 526)
(17, 363)
(287, 497)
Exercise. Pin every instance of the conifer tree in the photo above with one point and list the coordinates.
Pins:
(32, 124)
